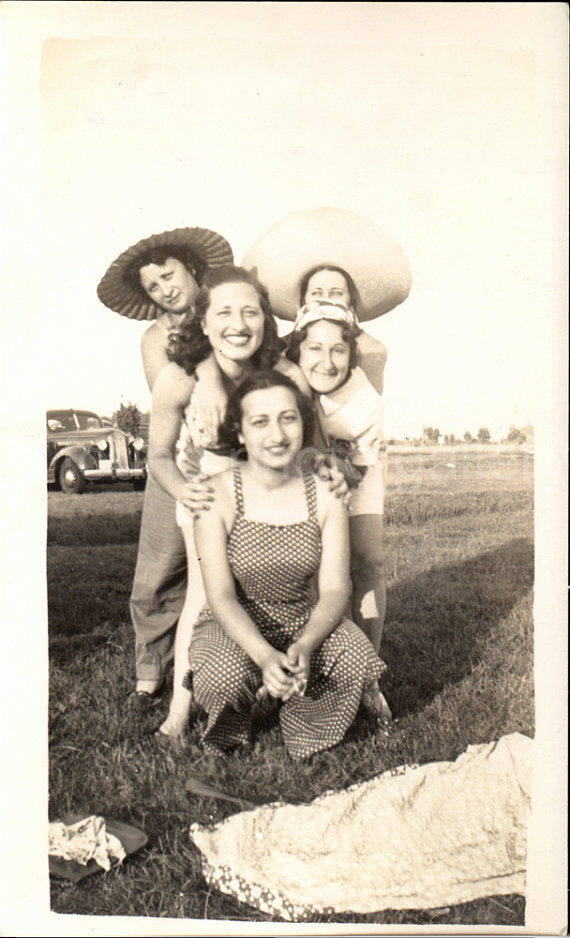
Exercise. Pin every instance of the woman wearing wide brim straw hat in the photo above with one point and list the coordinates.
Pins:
(158, 279)
(305, 239)
(336, 256)
(135, 287)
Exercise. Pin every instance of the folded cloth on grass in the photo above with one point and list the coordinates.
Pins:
(85, 840)
(414, 837)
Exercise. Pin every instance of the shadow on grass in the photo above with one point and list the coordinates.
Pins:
(100, 530)
(438, 624)
(88, 599)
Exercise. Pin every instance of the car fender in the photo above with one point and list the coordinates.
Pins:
(80, 455)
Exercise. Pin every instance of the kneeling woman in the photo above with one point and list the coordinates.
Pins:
(272, 527)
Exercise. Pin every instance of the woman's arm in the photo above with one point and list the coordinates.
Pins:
(293, 371)
(211, 535)
(212, 398)
(333, 583)
(153, 352)
(172, 391)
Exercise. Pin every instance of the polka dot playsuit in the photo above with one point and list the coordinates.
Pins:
(274, 566)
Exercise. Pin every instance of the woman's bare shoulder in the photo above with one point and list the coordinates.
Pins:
(222, 484)
(172, 378)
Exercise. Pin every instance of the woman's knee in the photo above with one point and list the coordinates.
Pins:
(225, 676)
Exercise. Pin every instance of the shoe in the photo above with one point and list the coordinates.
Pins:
(376, 703)
(141, 701)
(143, 692)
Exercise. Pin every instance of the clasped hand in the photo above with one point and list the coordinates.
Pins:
(287, 674)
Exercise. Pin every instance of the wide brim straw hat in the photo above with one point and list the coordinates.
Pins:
(284, 253)
(115, 291)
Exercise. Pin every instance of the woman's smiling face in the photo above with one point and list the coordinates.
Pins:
(324, 356)
(234, 321)
(271, 427)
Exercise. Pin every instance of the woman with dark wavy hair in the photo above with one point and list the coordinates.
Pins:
(274, 532)
(191, 344)
(234, 326)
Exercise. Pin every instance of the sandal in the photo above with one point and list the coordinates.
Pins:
(376, 703)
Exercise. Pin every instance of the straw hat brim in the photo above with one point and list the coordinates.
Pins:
(115, 292)
(305, 239)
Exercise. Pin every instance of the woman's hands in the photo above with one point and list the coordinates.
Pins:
(275, 675)
(299, 664)
(336, 478)
(287, 674)
(196, 494)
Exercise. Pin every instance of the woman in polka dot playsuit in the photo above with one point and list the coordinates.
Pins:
(275, 529)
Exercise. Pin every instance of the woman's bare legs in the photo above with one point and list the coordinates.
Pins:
(369, 594)
(368, 576)
(177, 718)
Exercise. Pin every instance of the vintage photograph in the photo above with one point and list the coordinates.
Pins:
(296, 325)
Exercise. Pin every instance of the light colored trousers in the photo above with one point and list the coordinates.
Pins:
(159, 586)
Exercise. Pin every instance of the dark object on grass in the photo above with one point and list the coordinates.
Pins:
(196, 787)
(132, 839)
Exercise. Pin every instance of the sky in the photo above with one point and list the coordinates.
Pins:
(440, 122)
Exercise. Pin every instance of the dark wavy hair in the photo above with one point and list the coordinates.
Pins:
(349, 335)
(189, 346)
(354, 295)
(263, 381)
(159, 256)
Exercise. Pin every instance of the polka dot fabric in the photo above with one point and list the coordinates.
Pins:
(274, 568)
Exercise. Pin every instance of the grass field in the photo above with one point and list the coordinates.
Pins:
(458, 642)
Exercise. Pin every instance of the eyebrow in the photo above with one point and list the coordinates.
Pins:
(288, 410)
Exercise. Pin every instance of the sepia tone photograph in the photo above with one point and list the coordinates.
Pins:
(286, 415)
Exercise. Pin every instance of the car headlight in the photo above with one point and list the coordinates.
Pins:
(102, 445)
(138, 444)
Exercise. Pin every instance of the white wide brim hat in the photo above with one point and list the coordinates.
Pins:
(115, 292)
(284, 253)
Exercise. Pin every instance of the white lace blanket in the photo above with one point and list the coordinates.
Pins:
(416, 837)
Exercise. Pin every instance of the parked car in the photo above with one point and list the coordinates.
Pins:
(81, 450)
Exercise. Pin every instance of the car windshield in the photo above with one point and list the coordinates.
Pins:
(58, 420)
(88, 421)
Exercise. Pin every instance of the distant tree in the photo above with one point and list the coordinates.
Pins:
(467, 437)
(432, 434)
(128, 418)
(145, 425)
(516, 435)
(483, 435)
(452, 439)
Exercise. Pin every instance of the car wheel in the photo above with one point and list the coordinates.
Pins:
(139, 485)
(71, 480)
